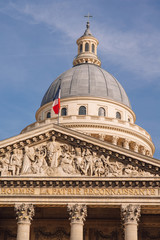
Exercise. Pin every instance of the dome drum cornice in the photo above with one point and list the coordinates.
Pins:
(109, 127)
(136, 139)
(110, 122)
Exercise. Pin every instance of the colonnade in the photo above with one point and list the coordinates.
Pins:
(130, 215)
(127, 144)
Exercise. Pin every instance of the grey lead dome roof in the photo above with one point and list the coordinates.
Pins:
(87, 80)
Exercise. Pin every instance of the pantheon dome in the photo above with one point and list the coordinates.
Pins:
(87, 80)
(93, 102)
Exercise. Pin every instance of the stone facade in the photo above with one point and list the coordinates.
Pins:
(45, 156)
(81, 174)
(90, 178)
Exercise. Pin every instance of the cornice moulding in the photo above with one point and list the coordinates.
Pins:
(75, 137)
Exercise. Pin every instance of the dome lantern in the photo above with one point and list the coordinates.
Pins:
(87, 48)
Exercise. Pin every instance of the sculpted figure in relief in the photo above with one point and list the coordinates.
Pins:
(132, 171)
(40, 164)
(53, 149)
(99, 168)
(55, 159)
(79, 161)
(88, 163)
(28, 159)
(4, 168)
(66, 164)
(16, 161)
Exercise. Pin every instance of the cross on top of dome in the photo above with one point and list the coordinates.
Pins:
(87, 48)
(87, 31)
(88, 16)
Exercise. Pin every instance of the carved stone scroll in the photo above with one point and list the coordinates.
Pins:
(24, 212)
(77, 212)
(130, 213)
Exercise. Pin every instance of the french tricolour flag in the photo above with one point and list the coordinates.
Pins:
(56, 101)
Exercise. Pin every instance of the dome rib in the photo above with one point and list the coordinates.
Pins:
(104, 78)
(72, 81)
(118, 87)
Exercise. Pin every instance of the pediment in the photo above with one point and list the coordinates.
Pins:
(61, 152)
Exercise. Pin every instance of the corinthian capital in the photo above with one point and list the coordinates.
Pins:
(77, 212)
(130, 213)
(24, 212)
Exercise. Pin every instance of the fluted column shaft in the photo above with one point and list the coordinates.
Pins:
(126, 144)
(135, 147)
(130, 218)
(115, 140)
(77, 214)
(24, 214)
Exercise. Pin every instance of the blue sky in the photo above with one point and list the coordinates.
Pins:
(38, 42)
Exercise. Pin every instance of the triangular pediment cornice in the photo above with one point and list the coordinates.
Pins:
(78, 139)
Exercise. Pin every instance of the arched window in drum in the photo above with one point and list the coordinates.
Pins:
(49, 115)
(93, 48)
(82, 110)
(101, 112)
(118, 115)
(87, 47)
(64, 111)
(80, 48)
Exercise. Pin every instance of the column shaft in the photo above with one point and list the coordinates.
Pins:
(130, 218)
(76, 231)
(23, 231)
(131, 232)
(77, 214)
(24, 214)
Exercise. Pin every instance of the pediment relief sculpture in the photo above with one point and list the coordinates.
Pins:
(53, 158)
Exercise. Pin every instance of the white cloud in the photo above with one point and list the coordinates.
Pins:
(133, 50)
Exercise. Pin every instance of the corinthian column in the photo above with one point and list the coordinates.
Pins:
(77, 214)
(115, 140)
(130, 218)
(24, 213)
(126, 144)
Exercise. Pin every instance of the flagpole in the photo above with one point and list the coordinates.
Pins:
(58, 118)
(56, 102)
(59, 100)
